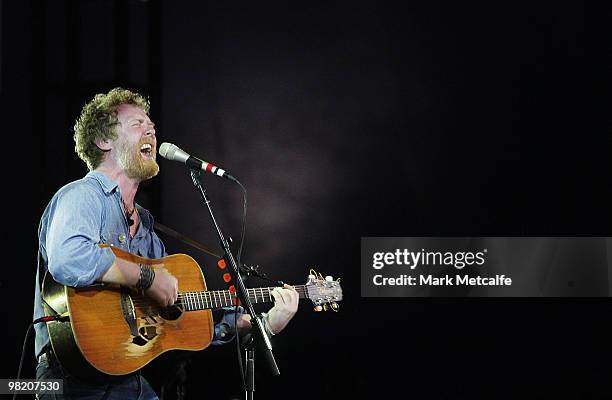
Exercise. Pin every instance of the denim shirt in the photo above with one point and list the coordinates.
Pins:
(79, 217)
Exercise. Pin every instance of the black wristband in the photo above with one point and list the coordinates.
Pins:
(146, 277)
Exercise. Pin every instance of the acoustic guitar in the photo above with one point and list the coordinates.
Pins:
(111, 329)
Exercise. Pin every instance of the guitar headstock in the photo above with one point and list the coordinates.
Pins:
(323, 291)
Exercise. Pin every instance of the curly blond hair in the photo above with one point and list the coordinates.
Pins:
(98, 120)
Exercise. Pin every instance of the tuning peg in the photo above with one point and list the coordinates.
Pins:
(318, 308)
(335, 306)
(325, 307)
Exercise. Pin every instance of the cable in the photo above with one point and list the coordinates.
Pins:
(244, 215)
(25, 342)
(240, 366)
(238, 256)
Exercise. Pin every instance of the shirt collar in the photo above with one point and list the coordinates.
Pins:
(108, 185)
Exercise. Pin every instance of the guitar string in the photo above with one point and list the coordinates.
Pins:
(209, 299)
(188, 302)
(254, 292)
(216, 297)
(222, 294)
(219, 301)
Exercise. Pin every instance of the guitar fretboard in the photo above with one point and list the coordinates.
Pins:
(193, 301)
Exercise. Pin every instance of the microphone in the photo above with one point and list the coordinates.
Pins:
(174, 153)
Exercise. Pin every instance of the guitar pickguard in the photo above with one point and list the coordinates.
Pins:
(146, 328)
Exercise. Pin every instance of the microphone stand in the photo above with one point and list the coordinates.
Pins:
(246, 301)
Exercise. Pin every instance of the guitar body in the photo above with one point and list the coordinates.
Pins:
(116, 331)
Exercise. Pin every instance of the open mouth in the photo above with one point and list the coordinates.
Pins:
(147, 150)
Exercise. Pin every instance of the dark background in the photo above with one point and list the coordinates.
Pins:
(342, 121)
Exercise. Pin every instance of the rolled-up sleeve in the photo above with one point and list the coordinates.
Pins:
(225, 329)
(74, 257)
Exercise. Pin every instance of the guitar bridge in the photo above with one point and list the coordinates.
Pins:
(129, 313)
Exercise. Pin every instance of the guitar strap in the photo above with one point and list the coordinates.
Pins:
(41, 273)
(41, 276)
(187, 240)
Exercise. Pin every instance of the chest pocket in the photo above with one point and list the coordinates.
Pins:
(115, 237)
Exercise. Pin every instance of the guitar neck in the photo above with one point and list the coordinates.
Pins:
(193, 301)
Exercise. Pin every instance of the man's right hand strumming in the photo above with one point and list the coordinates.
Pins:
(164, 289)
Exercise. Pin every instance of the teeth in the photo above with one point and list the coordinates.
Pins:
(145, 146)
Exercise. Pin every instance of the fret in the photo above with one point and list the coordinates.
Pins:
(198, 300)
(206, 299)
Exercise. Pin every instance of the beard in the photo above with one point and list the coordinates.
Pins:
(134, 165)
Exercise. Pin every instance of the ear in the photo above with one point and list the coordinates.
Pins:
(104, 144)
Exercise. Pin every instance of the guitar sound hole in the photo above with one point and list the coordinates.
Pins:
(170, 313)
(148, 332)
(139, 340)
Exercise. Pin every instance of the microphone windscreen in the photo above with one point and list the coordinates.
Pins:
(172, 152)
(164, 148)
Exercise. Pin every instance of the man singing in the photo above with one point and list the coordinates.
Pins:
(115, 137)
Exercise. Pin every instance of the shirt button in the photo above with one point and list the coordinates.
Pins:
(122, 238)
